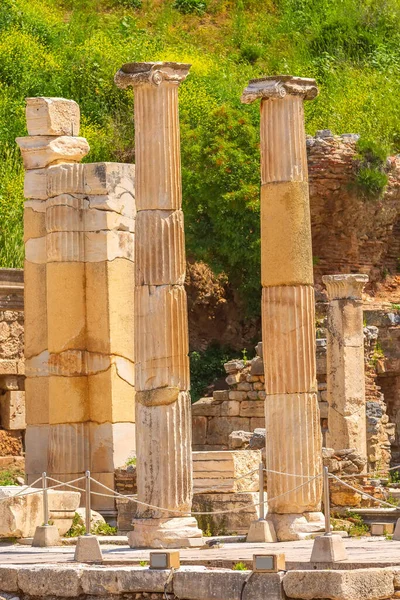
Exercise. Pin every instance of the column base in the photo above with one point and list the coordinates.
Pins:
(176, 532)
(45, 536)
(292, 526)
(261, 531)
(328, 548)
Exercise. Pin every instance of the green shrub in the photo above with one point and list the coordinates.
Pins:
(190, 6)
(240, 566)
(9, 476)
(206, 367)
(371, 178)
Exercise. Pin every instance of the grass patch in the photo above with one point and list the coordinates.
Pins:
(9, 476)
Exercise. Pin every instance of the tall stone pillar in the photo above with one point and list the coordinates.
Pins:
(345, 363)
(79, 289)
(288, 322)
(163, 415)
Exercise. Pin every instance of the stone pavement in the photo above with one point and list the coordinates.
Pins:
(363, 552)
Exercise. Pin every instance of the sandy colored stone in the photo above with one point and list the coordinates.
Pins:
(218, 584)
(223, 471)
(110, 307)
(41, 151)
(161, 337)
(50, 581)
(209, 407)
(356, 584)
(66, 306)
(52, 116)
(35, 250)
(36, 442)
(295, 417)
(35, 314)
(88, 549)
(290, 527)
(288, 318)
(285, 215)
(261, 531)
(328, 549)
(68, 400)
(110, 397)
(12, 410)
(252, 408)
(34, 224)
(176, 532)
(9, 578)
(219, 428)
(160, 248)
(46, 536)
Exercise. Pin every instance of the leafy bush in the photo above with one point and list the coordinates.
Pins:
(206, 367)
(240, 566)
(9, 476)
(371, 178)
(78, 528)
(190, 6)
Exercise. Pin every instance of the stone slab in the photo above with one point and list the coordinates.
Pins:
(52, 116)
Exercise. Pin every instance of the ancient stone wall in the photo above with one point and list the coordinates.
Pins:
(12, 395)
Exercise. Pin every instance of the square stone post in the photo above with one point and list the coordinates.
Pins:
(163, 413)
(345, 363)
(79, 289)
(293, 439)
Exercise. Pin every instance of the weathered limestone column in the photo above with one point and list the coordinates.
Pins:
(79, 291)
(291, 408)
(163, 415)
(345, 363)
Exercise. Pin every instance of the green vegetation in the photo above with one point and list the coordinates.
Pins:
(72, 49)
(9, 476)
(78, 528)
(207, 366)
(371, 178)
(394, 477)
(131, 461)
(377, 355)
(143, 563)
(240, 566)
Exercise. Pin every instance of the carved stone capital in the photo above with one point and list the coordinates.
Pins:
(345, 286)
(278, 87)
(151, 72)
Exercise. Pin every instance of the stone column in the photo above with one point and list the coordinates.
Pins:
(288, 321)
(79, 289)
(345, 363)
(163, 415)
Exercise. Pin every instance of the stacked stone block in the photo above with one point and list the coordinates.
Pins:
(163, 417)
(79, 224)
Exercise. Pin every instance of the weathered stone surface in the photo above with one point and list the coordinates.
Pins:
(50, 581)
(161, 337)
(261, 531)
(46, 536)
(9, 578)
(239, 439)
(218, 584)
(207, 407)
(264, 585)
(328, 549)
(12, 410)
(223, 471)
(88, 549)
(285, 213)
(237, 522)
(356, 584)
(173, 532)
(41, 151)
(219, 429)
(291, 527)
(52, 116)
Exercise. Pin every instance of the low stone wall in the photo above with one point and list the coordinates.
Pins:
(196, 583)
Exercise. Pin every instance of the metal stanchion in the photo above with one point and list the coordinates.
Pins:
(88, 511)
(261, 530)
(45, 500)
(261, 491)
(327, 504)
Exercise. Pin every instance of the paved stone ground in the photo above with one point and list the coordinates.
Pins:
(363, 552)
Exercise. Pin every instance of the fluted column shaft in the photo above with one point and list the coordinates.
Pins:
(345, 363)
(288, 323)
(163, 418)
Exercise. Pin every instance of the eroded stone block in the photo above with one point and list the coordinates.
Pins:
(52, 116)
(39, 151)
(12, 410)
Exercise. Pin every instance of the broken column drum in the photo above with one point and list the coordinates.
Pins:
(293, 431)
(79, 288)
(345, 363)
(163, 413)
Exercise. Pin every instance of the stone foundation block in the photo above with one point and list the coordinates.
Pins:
(40, 151)
(237, 522)
(50, 581)
(218, 584)
(12, 410)
(266, 586)
(9, 578)
(357, 584)
(219, 471)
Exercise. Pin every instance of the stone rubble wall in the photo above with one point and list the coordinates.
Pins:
(12, 368)
(350, 234)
